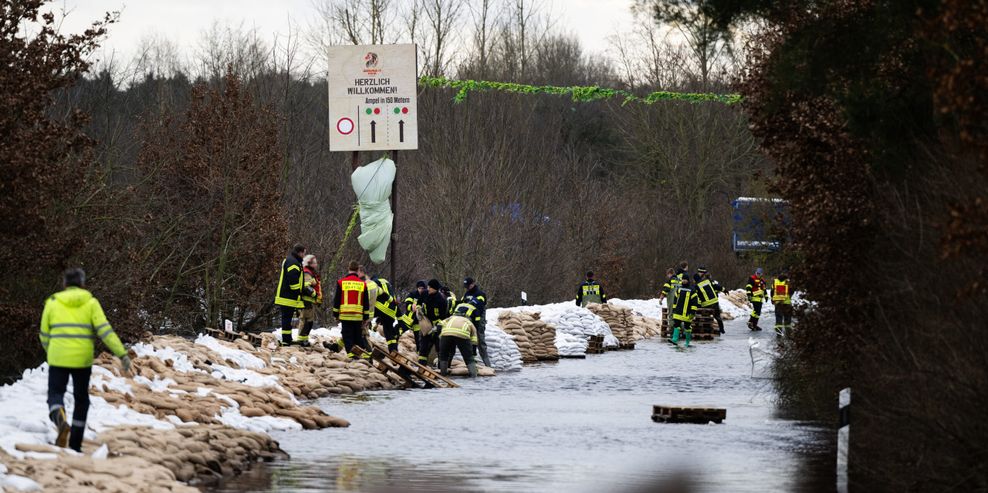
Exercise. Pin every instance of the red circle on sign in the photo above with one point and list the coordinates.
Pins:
(377, 111)
(345, 126)
(404, 110)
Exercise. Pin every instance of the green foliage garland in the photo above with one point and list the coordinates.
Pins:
(580, 94)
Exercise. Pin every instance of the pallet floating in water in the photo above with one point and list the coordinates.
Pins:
(403, 367)
(697, 415)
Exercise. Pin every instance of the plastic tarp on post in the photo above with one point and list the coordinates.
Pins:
(372, 184)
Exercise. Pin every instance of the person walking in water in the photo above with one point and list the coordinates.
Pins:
(755, 290)
(71, 321)
(590, 291)
(684, 311)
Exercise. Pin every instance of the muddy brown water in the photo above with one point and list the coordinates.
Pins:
(576, 425)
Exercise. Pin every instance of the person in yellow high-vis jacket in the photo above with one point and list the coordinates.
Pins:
(755, 290)
(291, 287)
(385, 306)
(458, 332)
(70, 323)
(782, 299)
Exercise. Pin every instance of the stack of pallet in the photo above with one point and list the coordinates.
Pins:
(536, 339)
(595, 345)
(704, 326)
(620, 320)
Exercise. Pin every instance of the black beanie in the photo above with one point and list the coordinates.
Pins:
(420, 284)
(434, 284)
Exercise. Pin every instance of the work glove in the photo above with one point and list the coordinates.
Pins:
(125, 363)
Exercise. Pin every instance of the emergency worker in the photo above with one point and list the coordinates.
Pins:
(352, 308)
(782, 299)
(435, 309)
(477, 301)
(755, 289)
(590, 291)
(684, 311)
(707, 294)
(458, 332)
(288, 296)
(311, 299)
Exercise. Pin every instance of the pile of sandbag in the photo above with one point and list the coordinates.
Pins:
(193, 453)
(577, 321)
(571, 345)
(645, 327)
(68, 472)
(619, 319)
(535, 338)
(502, 349)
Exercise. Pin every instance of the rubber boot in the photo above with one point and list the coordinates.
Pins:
(689, 335)
(444, 368)
(472, 366)
(75, 440)
(58, 417)
(675, 335)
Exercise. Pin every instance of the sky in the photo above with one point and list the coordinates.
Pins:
(183, 21)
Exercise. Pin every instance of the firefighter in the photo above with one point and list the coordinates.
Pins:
(70, 323)
(667, 286)
(707, 294)
(755, 290)
(458, 333)
(782, 299)
(450, 296)
(311, 299)
(385, 308)
(409, 320)
(683, 312)
(682, 272)
(288, 297)
(590, 291)
(478, 301)
(352, 307)
(435, 309)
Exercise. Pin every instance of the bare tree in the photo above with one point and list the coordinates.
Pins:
(443, 17)
(708, 43)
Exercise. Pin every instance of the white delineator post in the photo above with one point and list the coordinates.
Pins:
(843, 438)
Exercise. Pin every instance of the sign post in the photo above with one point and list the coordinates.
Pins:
(373, 106)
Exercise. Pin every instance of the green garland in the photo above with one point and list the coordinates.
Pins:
(580, 94)
(346, 236)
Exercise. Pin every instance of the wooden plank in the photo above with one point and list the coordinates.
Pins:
(701, 415)
(423, 372)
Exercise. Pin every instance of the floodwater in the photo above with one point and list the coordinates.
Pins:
(574, 426)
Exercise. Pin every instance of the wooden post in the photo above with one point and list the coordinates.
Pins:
(394, 223)
(354, 161)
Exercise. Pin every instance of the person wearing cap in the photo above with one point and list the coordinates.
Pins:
(707, 292)
(755, 289)
(683, 312)
(311, 298)
(590, 291)
(458, 332)
(782, 299)
(410, 319)
(291, 287)
(352, 307)
(435, 309)
(477, 306)
(70, 324)
(385, 306)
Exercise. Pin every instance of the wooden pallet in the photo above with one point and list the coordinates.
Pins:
(626, 346)
(595, 345)
(697, 415)
(406, 368)
(226, 336)
(573, 356)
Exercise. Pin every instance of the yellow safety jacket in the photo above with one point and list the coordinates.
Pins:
(755, 289)
(686, 303)
(706, 292)
(384, 302)
(457, 326)
(351, 303)
(780, 292)
(289, 291)
(70, 322)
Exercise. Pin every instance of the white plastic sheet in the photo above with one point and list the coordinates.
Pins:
(372, 183)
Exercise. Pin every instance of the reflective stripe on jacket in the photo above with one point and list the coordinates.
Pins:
(289, 291)
(755, 288)
(385, 303)
(686, 303)
(462, 327)
(706, 292)
(70, 323)
(780, 292)
(311, 279)
(350, 302)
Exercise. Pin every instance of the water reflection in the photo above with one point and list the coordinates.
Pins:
(581, 425)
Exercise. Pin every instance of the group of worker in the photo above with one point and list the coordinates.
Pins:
(431, 311)
(684, 294)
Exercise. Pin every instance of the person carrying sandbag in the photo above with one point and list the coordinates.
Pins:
(409, 320)
(590, 291)
(435, 310)
(458, 332)
(71, 321)
(707, 290)
(352, 308)
(385, 307)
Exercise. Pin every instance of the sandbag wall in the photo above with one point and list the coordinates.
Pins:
(619, 319)
(536, 339)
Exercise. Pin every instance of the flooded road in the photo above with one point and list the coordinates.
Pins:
(576, 425)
